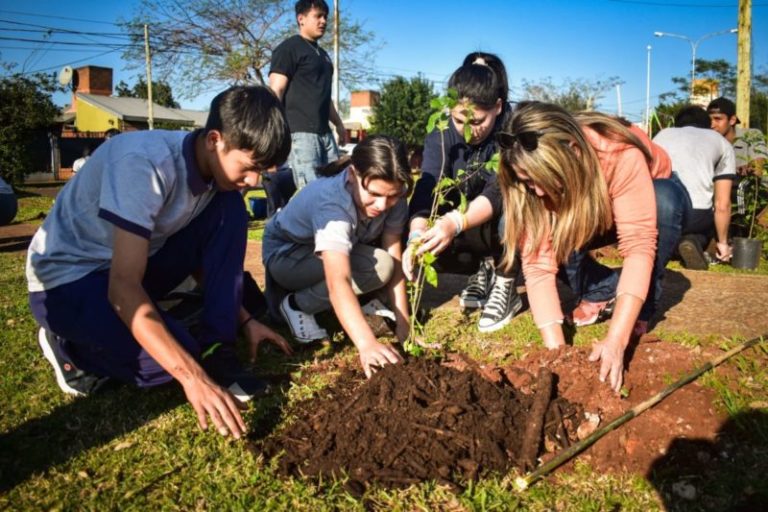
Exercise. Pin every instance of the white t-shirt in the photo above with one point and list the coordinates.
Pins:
(699, 157)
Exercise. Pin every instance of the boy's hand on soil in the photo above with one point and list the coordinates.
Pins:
(256, 332)
(209, 399)
(374, 355)
(611, 357)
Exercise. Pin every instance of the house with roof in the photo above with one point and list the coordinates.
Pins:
(94, 112)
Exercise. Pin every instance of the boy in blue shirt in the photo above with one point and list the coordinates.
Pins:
(146, 211)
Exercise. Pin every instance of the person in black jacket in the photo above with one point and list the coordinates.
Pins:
(481, 84)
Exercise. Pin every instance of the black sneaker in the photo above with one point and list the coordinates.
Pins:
(70, 379)
(223, 366)
(502, 306)
(692, 255)
(479, 284)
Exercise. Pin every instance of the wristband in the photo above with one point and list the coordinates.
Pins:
(413, 235)
(245, 322)
(458, 222)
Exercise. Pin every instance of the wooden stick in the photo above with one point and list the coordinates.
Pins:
(523, 483)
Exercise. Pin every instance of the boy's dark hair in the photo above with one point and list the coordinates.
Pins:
(378, 157)
(251, 118)
(693, 115)
(304, 6)
(482, 79)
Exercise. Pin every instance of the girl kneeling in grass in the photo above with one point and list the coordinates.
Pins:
(341, 237)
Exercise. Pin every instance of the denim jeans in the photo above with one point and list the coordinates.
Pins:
(595, 282)
(310, 151)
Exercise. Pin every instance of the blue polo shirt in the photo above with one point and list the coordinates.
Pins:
(145, 182)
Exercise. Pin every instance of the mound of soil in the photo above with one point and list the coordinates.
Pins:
(456, 421)
(419, 421)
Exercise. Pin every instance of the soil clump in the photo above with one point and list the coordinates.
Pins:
(419, 421)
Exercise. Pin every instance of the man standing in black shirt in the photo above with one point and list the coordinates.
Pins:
(301, 73)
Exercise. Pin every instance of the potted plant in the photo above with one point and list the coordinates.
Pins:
(751, 218)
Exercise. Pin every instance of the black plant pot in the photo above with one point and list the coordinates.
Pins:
(746, 252)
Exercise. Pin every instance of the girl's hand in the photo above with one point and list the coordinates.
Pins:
(409, 260)
(611, 356)
(374, 355)
(256, 332)
(438, 238)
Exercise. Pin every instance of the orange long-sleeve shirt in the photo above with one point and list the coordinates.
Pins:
(633, 205)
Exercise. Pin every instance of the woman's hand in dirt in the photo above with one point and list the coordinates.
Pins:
(611, 357)
(374, 355)
(208, 399)
(256, 332)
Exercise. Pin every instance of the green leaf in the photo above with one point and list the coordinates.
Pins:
(430, 275)
(453, 94)
(428, 258)
(460, 173)
(442, 125)
(463, 204)
(446, 182)
(432, 121)
(467, 132)
(493, 163)
(436, 104)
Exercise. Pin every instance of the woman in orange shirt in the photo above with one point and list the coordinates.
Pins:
(567, 184)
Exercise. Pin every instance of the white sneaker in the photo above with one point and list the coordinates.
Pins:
(475, 293)
(303, 325)
(375, 307)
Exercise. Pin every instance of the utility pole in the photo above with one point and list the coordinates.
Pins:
(150, 117)
(744, 66)
(336, 68)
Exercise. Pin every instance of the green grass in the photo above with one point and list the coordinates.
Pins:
(132, 449)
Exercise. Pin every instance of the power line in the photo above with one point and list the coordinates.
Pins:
(49, 16)
(46, 28)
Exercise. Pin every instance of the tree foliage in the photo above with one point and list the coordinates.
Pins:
(200, 44)
(162, 94)
(573, 95)
(724, 74)
(26, 113)
(403, 109)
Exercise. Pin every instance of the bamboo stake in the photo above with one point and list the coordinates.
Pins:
(522, 483)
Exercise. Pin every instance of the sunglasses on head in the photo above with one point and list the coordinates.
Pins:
(528, 140)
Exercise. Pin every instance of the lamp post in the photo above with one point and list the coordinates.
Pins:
(694, 45)
(648, 93)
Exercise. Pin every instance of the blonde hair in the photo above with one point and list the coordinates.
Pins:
(565, 166)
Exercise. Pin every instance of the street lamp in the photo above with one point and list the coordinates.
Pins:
(648, 93)
(694, 45)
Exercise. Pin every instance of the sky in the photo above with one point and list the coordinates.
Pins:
(561, 39)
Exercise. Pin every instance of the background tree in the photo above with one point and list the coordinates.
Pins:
(161, 92)
(723, 73)
(573, 95)
(26, 114)
(403, 109)
(200, 44)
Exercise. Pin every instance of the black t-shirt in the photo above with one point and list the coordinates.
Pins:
(308, 95)
(456, 154)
